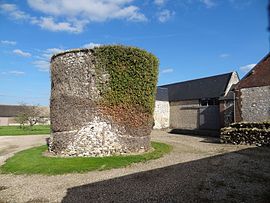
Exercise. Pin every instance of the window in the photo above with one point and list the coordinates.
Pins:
(209, 102)
(203, 102)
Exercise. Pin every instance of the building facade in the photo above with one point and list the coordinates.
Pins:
(162, 109)
(199, 104)
(252, 94)
(8, 113)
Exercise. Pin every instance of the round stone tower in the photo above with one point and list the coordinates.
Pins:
(102, 101)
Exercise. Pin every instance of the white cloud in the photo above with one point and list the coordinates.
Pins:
(47, 54)
(8, 7)
(7, 42)
(208, 3)
(13, 72)
(165, 15)
(65, 15)
(224, 55)
(92, 10)
(49, 23)
(43, 62)
(247, 68)
(16, 72)
(42, 65)
(130, 13)
(167, 70)
(54, 50)
(159, 2)
(14, 12)
(21, 53)
(91, 45)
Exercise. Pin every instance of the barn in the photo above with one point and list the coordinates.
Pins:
(199, 103)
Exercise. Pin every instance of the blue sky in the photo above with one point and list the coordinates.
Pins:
(191, 38)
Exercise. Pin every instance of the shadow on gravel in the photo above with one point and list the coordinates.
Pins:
(241, 176)
(209, 136)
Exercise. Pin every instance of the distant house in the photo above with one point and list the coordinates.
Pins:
(200, 103)
(252, 94)
(162, 109)
(9, 112)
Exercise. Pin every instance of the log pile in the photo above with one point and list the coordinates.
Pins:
(246, 133)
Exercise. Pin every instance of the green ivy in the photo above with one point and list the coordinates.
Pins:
(133, 76)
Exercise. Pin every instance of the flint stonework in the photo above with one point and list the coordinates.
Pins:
(81, 124)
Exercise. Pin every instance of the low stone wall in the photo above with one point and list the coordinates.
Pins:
(246, 133)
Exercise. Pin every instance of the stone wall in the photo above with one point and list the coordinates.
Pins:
(162, 109)
(226, 112)
(257, 77)
(184, 114)
(162, 114)
(190, 115)
(4, 121)
(255, 104)
(82, 122)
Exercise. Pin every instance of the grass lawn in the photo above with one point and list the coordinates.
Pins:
(16, 130)
(31, 161)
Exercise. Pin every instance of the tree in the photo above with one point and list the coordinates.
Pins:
(21, 118)
(28, 115)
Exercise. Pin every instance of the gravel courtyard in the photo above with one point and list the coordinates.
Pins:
(199, 169)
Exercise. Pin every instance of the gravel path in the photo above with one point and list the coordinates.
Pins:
(197, 170)
(12, 144)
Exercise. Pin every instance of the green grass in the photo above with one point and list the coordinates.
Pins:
(16, 130)
(31, 161)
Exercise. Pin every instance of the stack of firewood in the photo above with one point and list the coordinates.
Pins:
(246, 133)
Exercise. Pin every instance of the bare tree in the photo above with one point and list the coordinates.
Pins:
(21, 118)
(28, 115)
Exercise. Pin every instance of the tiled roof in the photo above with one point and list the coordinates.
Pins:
(162, 94)
(209, 87)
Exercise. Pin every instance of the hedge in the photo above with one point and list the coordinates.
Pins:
(247, 133)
